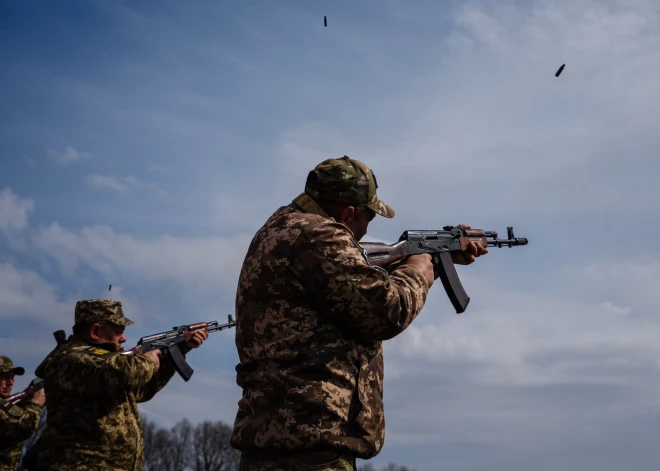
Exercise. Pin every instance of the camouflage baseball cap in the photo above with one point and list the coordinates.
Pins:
(6, 365)
(346, 181)
(95, 310)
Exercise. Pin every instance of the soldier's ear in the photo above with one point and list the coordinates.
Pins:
(347, 214)
(95, 331)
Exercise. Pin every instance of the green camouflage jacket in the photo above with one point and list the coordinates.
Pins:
(93, 421)
(17, 424)
(311, 317)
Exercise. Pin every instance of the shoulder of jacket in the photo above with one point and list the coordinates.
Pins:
(329, 233)
(287, 216)
(12, 409)
(89, 350)
(315, 224)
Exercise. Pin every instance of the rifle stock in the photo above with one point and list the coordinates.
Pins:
(383, 255)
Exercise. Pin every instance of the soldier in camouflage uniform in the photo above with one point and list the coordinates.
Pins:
(93, 421)
(311, 317)
(17, 422)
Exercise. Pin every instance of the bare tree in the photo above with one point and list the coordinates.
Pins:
(180, 450)
(389, 467)
(167, 450)
(397, 467)
(156, 446)
(212, 449)
(201, 447)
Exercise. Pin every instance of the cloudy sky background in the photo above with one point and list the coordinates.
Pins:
(142, 145)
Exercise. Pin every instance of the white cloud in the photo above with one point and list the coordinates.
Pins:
(68, 156)
(101, 181)
(199, 263)
(497, 120)
(124, 185)
(483, 27)
(25, 294)
(14, 210)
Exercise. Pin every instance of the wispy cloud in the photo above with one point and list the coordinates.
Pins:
(129, 184)
(14, 210)
(68, 156)
(25, 294)
(101, 181)
(202, 264)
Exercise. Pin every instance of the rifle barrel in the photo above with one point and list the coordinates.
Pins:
(222, 326)
(507, 242)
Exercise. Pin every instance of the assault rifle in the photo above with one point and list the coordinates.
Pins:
(168, 342)
(440, 244)
(35, 385)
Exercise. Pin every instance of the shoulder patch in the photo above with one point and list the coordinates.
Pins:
(99, 352)
(12, 409)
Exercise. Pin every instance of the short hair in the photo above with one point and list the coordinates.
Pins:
(82, 327)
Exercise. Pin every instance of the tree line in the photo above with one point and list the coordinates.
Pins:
(183, 447)
(201, 447)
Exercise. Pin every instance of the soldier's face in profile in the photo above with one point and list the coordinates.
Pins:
(6, 384)
(112, 333)
(361, 219)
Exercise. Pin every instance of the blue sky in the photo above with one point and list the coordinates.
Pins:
(142, 144)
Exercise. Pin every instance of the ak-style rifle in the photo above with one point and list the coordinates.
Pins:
(168, 342)
(440, 245)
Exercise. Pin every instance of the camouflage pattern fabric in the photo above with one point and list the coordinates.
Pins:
(17, 424)
(346, 181)
(6, 365)
(311, 316)
(93, 421)
(310, 461)
(96, 310)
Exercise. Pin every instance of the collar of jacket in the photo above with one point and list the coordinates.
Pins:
(303, 202)
(74, 339)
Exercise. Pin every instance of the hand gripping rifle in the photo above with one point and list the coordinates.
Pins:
(35, 385)
(168, 342)
(440, 244)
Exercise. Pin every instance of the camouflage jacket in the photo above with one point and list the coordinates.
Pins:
(311, 317)
(17, 424)
(93, 421)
